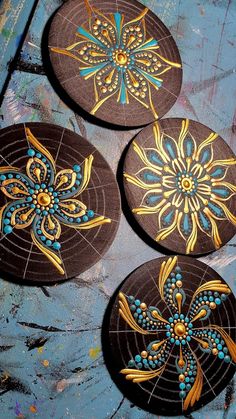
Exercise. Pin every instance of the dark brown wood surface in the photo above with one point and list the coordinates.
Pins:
(160, 395)
(64, 34)
(220, 152)
(80, 249)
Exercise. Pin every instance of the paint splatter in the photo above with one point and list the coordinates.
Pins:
(45, 363)
(93, 352)
(33, 408)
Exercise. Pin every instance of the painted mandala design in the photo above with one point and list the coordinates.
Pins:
(180, 330)
(184, 186)
(44, 199)
(119, 58)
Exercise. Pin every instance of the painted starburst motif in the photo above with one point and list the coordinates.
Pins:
(184, 186)
(45, 200)
(119, 57)
(186, 327)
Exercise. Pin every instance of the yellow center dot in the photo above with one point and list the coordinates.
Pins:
(180, 329)
(186, 184)
(43, 199)
(121, 58)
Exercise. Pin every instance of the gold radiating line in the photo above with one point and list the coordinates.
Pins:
(214, 285)
(209, 140)
(138, 376)
(166, 268)
(32, 140)
(125, 313)
(56, 261)
(182, 135)
(195, 392)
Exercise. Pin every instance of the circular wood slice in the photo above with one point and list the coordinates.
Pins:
(59, 200)
(180, 183)
(116, 60)
(172, 331)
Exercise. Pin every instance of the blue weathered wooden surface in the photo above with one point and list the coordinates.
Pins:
(66, 377)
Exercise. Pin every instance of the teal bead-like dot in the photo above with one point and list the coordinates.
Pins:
(37, 186)
(76, 168)
(85, 218)
(78, 220)
(188, 387)
(2, 177)
(48, 242)
(172, 340)
(55, 206)
(38, 155)
(218, 301)
(137, 303)
(45, 212)
(178, 276)
(38, 211)
(39, 232)
(219, 347)
(221, 355)
(132, 308)
(90, 213)
(43, 238)
(71, 219)
(182, 386)
(32, 206)
(227, 359)
(223, 297)
(29, 199)
(6, 221)
(182, 394)
(10, 176)
(56, 246)
(43, 186)
(56, 200)
(7, 229)
(131, 363)
(176, 316)
(177, 342)
(139, 310)
(31, 191)
(31, 152)
(138, 358)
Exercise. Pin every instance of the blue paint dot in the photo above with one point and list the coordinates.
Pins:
(37, 186)
(171, 319)
(188, 387)
(85, 218)
(38, 155)
(32, 206)
(39, 232)
(221, 355)
(90, 213)
(187, 379)
(218, 301)
(137, 303)
(172, 340)
(176, 316)
(182, 394)
(43, 186)
(223, 297)
(181, 316)
(219, 347)
(6, 221)
(48, 242)
(29, 199)
(50, 189)
(10, 176)
(188, 338)
(183, 342)
(43, 238)
(7, 229)
(190, 325)
(79, 176)
(78, 220)
(54, 194)
(55, 206)
(139, 310)
(77, 182)
(227, 359)
(168, 334)
(76, 168)
(2, 177)
(38, 211)
(138, 358)
(51, 211)
(56, 200)
(182, 386)
(71, 219)
(56, 246)
(131, 363)
(178, 276)
(217, 340)
(177, 342)
(45, 212)
(31, 152)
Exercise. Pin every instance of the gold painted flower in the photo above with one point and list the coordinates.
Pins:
(45, 200)
(119, 58)
(186, 327)
(185, 186)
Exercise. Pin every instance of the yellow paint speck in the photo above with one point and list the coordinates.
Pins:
(45, 363)
(40, 350)
(33, 409)
(93, 352)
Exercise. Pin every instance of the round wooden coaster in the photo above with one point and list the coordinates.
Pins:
(116, 60)
(59, 200)
(172, 336)
(180, 183)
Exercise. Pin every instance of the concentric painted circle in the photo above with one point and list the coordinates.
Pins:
(77, 248)
(116, 60)
(167, 357)
(180, 184)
